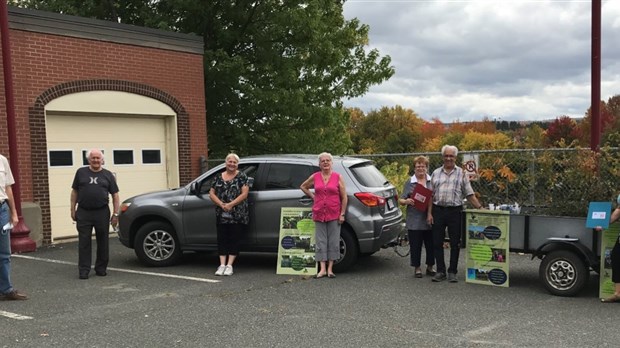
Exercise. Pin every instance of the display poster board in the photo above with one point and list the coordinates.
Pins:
(296, 245)
(487, 247)
(599, 214)
(608, 240)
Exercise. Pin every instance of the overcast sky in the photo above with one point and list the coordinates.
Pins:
(506, 59)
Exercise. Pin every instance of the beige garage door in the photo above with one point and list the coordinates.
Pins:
(134, 150)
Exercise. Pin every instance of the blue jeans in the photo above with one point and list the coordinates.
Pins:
(5, 251)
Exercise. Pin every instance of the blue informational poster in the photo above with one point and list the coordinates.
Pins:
(598, 215)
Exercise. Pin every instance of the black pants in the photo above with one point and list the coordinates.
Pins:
(228, 238)
(450, 218)
(416, 239)
(87, 220)
(615, 262)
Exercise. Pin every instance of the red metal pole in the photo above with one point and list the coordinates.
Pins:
(595, 129)
(20, 235)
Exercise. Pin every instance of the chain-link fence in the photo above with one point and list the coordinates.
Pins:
(558, 182)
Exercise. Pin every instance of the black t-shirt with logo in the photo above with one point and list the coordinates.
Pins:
(94, 188)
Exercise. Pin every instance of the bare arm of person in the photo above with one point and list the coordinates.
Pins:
(115, 208)
(307, 185)
(343, 199)
(474, 201)
(12, 208)
(615, 215)
(245, 190)
(74, 195)
(215, 198)
(429, 212)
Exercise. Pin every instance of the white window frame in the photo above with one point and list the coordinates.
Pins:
(49, 159)
(161, 161)
(133, 153)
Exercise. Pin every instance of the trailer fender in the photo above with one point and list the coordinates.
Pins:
(572, 245)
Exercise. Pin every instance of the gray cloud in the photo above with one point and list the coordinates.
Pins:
(518, 60)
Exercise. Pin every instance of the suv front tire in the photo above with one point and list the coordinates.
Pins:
(156, 244)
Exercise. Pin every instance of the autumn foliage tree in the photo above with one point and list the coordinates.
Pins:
(433, 129)
(474, 140)
(387, 130)
(607, 124)
(563, 129)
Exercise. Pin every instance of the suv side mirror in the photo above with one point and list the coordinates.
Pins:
(193, 188)
(197, 188)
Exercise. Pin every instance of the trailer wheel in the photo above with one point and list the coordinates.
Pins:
(563, 273)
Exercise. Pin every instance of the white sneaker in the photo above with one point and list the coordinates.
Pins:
(220, 270)
(228, 271)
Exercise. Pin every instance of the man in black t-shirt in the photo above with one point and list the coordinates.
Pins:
(90, 209)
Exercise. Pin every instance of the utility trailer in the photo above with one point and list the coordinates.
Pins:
(567, 248)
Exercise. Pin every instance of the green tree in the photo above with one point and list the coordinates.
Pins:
(388, 130)
(534, 137)
(136, 12)
(276, 72)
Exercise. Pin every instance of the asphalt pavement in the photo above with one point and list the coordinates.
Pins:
(378, 303)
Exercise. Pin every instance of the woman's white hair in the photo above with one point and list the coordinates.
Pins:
(449, 147)
(233, 155)
(326, 154)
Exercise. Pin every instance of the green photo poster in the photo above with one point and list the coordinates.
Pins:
(296, 243)
(487, 247)
(608, 240)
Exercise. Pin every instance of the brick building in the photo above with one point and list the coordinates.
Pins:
(136, 93)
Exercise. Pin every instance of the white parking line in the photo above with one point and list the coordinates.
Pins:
(204, 280)
(14, 316)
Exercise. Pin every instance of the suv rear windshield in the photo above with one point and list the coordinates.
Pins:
(368, 175)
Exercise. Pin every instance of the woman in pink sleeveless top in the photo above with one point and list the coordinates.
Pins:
(328, 212)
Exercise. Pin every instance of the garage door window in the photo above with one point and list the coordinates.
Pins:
(61, 158)
(123, 157)
(151, 156)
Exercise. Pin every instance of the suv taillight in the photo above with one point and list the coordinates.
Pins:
(370, 199)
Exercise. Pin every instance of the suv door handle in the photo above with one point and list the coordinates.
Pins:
(305, 200)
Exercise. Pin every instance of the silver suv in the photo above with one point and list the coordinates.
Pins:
(160, 226)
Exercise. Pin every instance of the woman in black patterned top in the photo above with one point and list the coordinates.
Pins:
(229, 193)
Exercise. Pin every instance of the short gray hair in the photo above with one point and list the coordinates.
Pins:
(326, 154)
(91, 150)
(449, 147)
(233, 155)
